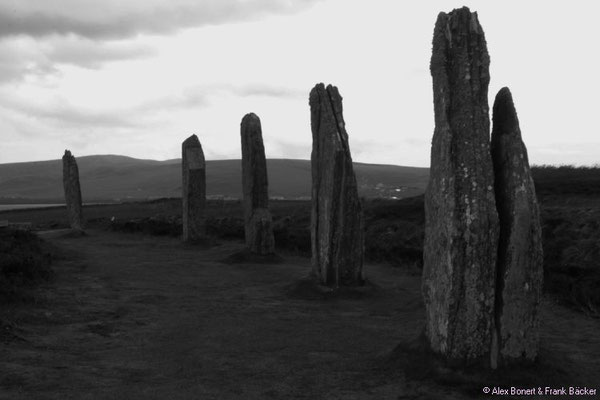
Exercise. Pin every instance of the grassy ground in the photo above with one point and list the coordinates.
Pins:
(132, 316)
(394, 230)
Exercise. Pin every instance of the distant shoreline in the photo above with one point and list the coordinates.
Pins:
(30, 206)
(8, 207)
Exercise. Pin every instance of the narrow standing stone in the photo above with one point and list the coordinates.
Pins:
(72, 191)
(258, 223)
(520, 257)
(461, 221)
(193, 190)
(337, 219)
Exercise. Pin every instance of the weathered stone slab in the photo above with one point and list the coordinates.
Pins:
(193, 190)
(337, 219)
(461, 221)
(258, 223)
(520, 254)
(72, 191)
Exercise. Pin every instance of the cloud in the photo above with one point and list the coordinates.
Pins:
(200, 95)
(416, 141)
(12, 71)
(189, 98)
(116, 19)
(38, 37)
(269, 91)
(578, 152)
(59, 113)
(93, 54)
(19, 58)
(24, 57)
(282, 148)
(81, 117)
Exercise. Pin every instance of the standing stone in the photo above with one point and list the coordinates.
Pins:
(193, 190)
(461, 221)
(72, 191)
(520, 258)
(258, 224)
(337, 226)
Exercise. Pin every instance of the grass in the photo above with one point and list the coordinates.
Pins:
(395, 232)
(134, 316)
(570, 213)
(144, 316)
(24, 261)
(394, 229)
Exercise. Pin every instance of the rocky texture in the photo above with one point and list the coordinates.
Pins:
(72, 191)
(461, 221)
(337, 237)
(520, 258)
(258, 223)
(193, 190)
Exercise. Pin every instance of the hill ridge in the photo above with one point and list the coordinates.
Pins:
(111, 177)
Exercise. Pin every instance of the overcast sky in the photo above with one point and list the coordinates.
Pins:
(137, 77)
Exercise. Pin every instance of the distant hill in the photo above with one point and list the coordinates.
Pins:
(118, 178)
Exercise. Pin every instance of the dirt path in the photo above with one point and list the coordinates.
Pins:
(137, 317)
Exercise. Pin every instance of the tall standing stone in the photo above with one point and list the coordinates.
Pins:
(461, 221)
(72, 191)
(193, 190)
(520, 257)
(337, 236)
(258, 223)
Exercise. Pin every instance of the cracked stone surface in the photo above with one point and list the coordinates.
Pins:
(193, 190)
(461, 221)
(72, 191)
(520, 254)
(258, 222)
(337, 227)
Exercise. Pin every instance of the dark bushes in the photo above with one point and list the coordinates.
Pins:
(293, 233)
(395, 231)
(566, 180)
(571, 238)
(158, 226)
(24, 261)
(225, 227)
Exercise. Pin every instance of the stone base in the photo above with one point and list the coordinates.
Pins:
(422, 367)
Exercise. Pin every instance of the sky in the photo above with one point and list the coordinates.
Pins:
(137, 77)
